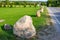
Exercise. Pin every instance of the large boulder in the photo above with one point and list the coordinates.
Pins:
(24, 27)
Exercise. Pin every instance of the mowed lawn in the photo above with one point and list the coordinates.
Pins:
(11, 15)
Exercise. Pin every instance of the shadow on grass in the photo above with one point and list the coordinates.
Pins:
(45, 16)
(41, 27)
(8, 33)
(32, 15)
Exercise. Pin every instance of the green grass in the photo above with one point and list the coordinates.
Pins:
(11, 15)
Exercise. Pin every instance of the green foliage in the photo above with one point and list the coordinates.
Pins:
(0, 4)
(52, 0)
(24, 3)
(43, 3)
(54, 3)
(35, 4)
(7, 2)
(16, 3)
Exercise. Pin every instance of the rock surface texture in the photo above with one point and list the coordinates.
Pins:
(24, 27)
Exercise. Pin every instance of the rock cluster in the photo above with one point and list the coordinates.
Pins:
(38, 14)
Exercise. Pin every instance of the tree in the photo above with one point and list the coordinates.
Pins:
(0, 3)
(7, 2)
(24, 3)
(35, 4)
(53, 3)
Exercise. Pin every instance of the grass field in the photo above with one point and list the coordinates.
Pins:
(11, 15)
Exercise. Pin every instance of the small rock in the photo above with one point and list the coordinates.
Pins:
(42, 9)
(7, 27)
(38, 13)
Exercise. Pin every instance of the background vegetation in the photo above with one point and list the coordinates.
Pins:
(53, 3)
(10, 4)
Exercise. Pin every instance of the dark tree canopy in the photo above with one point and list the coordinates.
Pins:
(54, 3)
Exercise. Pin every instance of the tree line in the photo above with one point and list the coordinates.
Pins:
(24, 3)
(53, 3)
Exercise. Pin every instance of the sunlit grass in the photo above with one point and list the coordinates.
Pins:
(11, 15)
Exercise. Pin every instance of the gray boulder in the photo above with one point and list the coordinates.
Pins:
(24, 27)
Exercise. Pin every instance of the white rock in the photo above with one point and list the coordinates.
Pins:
(42, 9)
(24, 27)
(38, 13)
